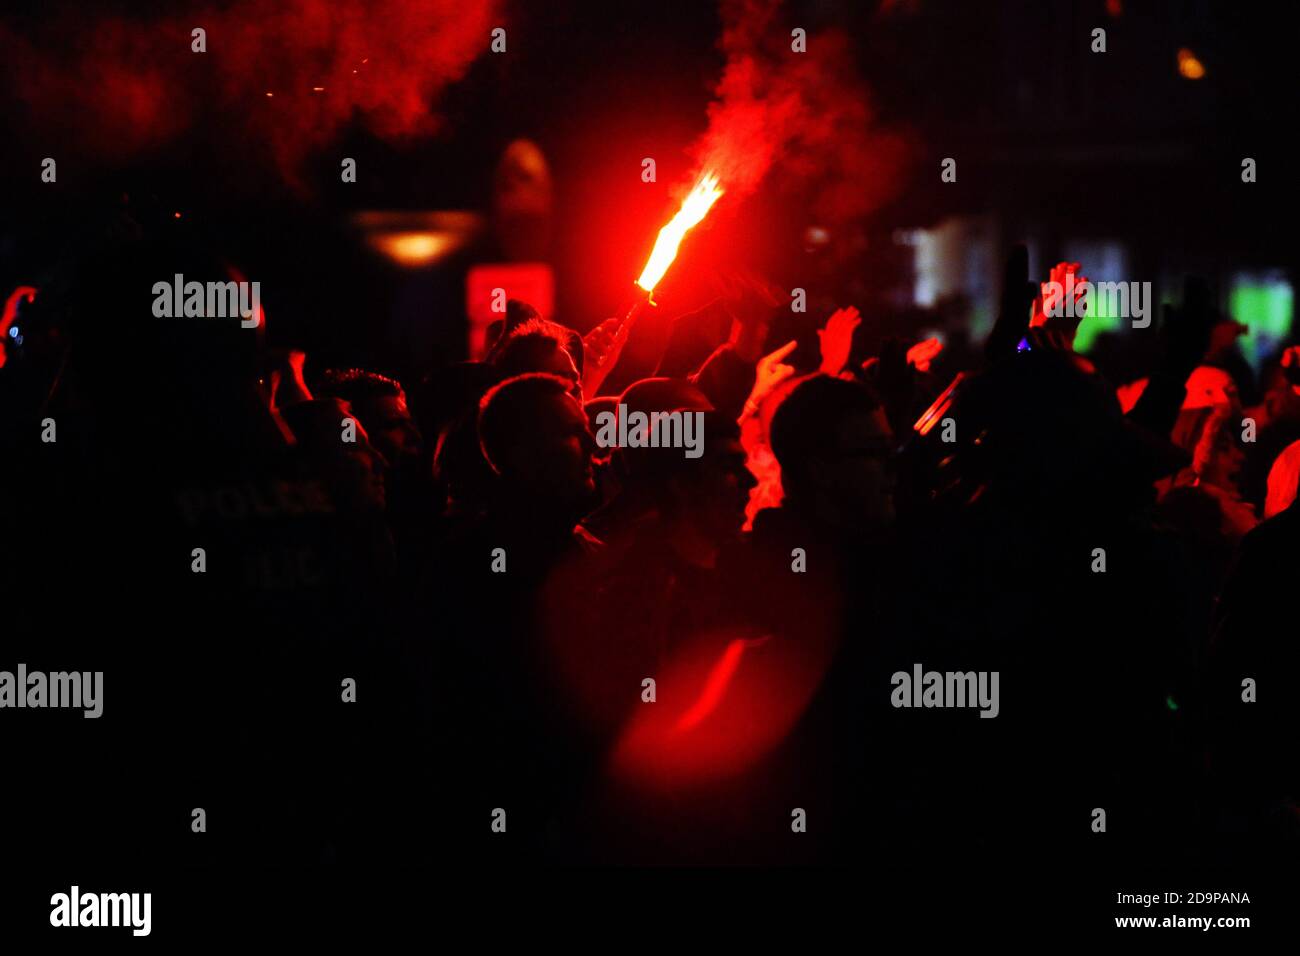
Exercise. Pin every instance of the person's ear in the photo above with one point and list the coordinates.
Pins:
(577, 352)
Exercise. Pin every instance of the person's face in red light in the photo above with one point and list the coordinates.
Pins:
(718, 489)
(558, 461)
(1218, 458)
(361, 473)
(391, 428)
(537, 353)
(860, 476)
(558, 361)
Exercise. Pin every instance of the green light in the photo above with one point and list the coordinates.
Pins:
(1267, 308)
(1094, 324)
(1171, 703)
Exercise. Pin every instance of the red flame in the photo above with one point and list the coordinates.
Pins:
(695, 207)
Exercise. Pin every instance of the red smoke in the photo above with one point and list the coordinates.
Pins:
(119, 85)
(809, 114)
(102, 83)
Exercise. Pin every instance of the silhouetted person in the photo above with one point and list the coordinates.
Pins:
(814, 577)
(1253, 687)
(480, 598)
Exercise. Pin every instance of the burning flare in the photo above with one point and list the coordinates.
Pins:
(694, 208)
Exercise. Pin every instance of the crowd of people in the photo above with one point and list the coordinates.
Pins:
(358, 618)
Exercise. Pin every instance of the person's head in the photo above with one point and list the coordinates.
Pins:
(1283, 481)
(596, 409)
(1208, 386)
(1042, 433)
(1217, 458)
(713, 491)
(331, 435)
(185, 360)
(706, 490)
(126, 340)
(380, 404)
(539, 345)
(835, 449)
(1282, 386)
(535, 436)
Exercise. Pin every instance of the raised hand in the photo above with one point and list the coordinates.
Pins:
(601, 348)
(920, 355)
(282, 383)
(769, 372)
(837, 339)
(1050, 311)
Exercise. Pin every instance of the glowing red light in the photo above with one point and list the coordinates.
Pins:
(714, 687)
(695, 207)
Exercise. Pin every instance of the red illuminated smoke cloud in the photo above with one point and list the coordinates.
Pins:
(807, 114)
(118, 85)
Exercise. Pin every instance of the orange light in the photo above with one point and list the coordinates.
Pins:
(695, 207)
(1189, 66)
(416, 239)
(935, 412)
(413, 249)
